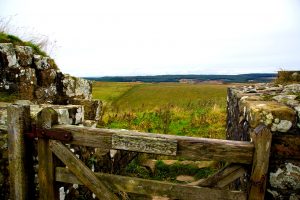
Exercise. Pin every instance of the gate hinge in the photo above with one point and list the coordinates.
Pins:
(53, 134)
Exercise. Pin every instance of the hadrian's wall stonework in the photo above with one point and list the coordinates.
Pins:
(277, 107)
(38, 82)
(37, 78)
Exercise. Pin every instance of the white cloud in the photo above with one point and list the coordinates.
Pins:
(136, 37)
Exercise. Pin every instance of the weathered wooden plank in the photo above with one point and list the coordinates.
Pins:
(262, 138)
(83, 173)
(191, 148)
(45, 119)
(141, 143)
(154, 188)
(223, 177)
(18, 123)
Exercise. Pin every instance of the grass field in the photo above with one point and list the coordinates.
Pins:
(170, 108)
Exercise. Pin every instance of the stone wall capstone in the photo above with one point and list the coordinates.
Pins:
(277, 107)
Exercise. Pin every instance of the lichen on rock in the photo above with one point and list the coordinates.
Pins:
(292, 88)
(286, 178)
(265, 112)
(282, 126)
(8, 56)
(24, 55)
(77, 87)
(41, 62)
(46, 94)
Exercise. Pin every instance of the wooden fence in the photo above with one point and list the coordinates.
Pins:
(51, 146)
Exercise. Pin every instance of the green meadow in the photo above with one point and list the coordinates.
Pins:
(169, 108)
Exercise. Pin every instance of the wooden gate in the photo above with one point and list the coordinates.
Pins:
(51, 144)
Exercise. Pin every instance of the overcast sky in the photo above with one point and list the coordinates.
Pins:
(138, 37)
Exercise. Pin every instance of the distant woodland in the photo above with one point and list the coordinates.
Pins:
(241, 78)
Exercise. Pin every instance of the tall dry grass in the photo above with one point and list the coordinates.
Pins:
(169, 108)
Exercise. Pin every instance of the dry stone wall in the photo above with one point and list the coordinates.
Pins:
(277, 107)
(39, 83)
(37, 78)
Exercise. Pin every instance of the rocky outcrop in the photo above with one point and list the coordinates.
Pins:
(37, 78)
(277, 107)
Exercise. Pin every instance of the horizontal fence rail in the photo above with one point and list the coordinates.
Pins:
(151, 187)
(191, 148)
(105, 186)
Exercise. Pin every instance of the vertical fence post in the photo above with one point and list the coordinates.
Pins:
(45, 119)
(262, 139)
(18, 123)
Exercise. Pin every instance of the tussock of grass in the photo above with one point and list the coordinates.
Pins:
(7, 38)
(286, 77)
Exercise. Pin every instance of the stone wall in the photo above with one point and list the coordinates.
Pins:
(277, 107)
(37, 78)
(38, 82)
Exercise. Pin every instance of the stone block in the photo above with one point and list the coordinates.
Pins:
(92, 108)
(23, 102)
(24, 55)
(27, 83)
(69, 84)
(46, 94)
(47, 77)
(278, 117)
(76, 87)
(287, 177)
(8, 58)
(67, 114)
(41, 62)
(90, 123)
(83, 88)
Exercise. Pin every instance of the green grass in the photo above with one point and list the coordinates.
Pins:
(145, 97)
(110, 91)
(7, 38)
(165, 172)
(7, 97)
(169, 108)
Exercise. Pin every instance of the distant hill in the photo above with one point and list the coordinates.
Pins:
(241, 78)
